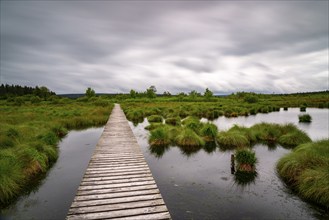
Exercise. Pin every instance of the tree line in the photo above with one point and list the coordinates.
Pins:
(17, 90)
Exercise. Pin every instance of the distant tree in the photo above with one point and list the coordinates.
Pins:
(90, 92)
(166, 93)
(133, 94)
(251, 98)
(208, 94)
(151, 92)
(193, 94)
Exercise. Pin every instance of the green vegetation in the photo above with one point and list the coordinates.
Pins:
(159, 136)
(30, 132)
(187, 137)
(175, 121)
(209, 132)
(305, 118)
(154, 118)
(232, 139)
(306, 171)
(246, 160)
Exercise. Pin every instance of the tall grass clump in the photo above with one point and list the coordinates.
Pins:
(209, 132)
(159, 137)
(175, 121)
(294, 138)
(187, 137)
(306, 171)
(232, 139)
(10, 185)
(154, 118)
(305, 118)
(192, 123)
(250, 134)
(246, 159)
(267, 132)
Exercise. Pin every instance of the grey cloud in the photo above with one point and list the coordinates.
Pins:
(177, 45)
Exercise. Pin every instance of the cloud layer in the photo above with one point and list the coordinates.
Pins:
(114, 46)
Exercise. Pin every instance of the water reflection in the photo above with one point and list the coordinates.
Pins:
(158, 151)
(189, 150)
(210, 147)
(243, 178)
(200, 186)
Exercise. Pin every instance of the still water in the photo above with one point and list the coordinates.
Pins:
(53, 198)
(194, 185)
(200, 185)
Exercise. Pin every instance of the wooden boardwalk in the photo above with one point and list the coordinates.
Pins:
(118, 183)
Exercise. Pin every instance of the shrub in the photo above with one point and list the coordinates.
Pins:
(187, 137)
(305, 118)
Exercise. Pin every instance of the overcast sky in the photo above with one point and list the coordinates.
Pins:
(115, 46)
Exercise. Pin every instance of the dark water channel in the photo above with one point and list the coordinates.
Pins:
(195, 185)
(54, 195)
(200, 185)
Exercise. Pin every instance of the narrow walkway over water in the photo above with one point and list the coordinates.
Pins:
(118, 183)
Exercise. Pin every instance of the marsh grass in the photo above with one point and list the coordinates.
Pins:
(209, 132)
(192, 123)
(29, 135)
(305, 118)
(153, 126)
(187, 137)
(306, 171)
(159, 137)
(175, 121)
(154, 118)
(232, 139)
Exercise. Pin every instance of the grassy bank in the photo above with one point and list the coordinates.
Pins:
(30, 132)
(306, 171)
(239, 104)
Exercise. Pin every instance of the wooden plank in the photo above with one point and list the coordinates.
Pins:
(117, 194)
(118, 206)
(120, 213)
(106, 186)
(115, 200)
(118, 182)
(114, 190)
(128, 180)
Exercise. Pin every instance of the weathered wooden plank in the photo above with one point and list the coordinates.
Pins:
(127, 176)
(128, 180)
(120, 213)
(106, 186)
(152, 216)
(117, 194)
(118, 182)
(115, 200)
(117, 173)
(112, 207)
(114, 190)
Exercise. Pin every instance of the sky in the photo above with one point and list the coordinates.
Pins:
(177, 46)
